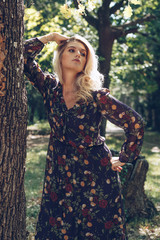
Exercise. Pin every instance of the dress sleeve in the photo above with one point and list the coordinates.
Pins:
(124, 117)
(34, 73)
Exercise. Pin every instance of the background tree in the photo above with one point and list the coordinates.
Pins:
(135, 73)
(104, 26)
(13, 122)
(111, 25)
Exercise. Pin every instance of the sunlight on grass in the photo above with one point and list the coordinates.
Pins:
(41, 127)
(153, 178)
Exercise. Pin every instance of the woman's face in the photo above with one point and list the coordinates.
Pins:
(74, 57)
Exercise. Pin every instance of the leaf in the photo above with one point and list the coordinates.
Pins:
(81, 8)
(90, 5)
(136, 2)
(66, 11)
(127, 11)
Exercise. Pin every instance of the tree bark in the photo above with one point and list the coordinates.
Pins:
(106, 41)
(13, 122)
(136, 201)
(133, 179)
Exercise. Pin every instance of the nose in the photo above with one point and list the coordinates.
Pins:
(78, 54)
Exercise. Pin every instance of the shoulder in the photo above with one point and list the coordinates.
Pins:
(101, 93)
(51, 80)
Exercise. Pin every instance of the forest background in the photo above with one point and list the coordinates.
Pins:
(125, 36)
(133, 77)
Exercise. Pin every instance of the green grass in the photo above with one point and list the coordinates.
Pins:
(41, 127)
(138, 229)
(35, 167)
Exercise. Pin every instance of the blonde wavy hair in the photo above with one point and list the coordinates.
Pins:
(90, 78)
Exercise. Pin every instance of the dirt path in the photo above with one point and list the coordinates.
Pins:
(37, 140)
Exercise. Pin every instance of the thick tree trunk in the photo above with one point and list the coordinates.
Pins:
(13, 122)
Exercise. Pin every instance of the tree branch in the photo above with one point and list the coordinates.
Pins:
(123, 32)
(106, 3)
(141, 20)
(87, 16)
(131, 27)
(133, 30)
(91, 20)
(116, 7)
(103, 13)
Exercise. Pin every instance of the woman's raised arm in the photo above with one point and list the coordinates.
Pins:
(57, 37)
(34, 73)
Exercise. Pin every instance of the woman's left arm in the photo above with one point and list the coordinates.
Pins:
(125, 117)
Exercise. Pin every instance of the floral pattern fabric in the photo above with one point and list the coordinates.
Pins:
(81, 196)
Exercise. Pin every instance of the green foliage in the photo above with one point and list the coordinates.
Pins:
(135, 59)
(36, 26)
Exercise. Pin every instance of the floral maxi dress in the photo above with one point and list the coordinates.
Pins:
(81, 195)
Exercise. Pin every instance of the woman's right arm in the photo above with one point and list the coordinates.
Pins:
(58, 38)
(31, 68)
(32, 47)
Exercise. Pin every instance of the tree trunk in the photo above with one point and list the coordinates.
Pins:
(31, 115)
(13, 122)
(136, 201)
(106, 40)
(133, 179)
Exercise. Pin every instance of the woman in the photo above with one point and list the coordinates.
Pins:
(81, 195)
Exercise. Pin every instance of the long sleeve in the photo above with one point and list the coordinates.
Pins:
(124, 117)
(34, 73)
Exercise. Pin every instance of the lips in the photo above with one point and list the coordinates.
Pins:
(76, 60)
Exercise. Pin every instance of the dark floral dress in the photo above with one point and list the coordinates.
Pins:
(81, 196)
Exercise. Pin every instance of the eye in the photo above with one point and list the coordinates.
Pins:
(83, 54)
(71, 50)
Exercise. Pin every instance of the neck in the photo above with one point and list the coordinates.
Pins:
(69, 79)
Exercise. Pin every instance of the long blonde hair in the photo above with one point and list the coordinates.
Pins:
(90, 78)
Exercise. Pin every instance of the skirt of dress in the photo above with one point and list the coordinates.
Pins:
(81, 196)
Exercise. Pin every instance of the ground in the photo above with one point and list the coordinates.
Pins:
(138, 228)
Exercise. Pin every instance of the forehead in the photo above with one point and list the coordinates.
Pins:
(77, 44)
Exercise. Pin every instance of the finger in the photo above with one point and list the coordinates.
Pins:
(122, 164)
(62, 42)
(114, 168)
(119, 168)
